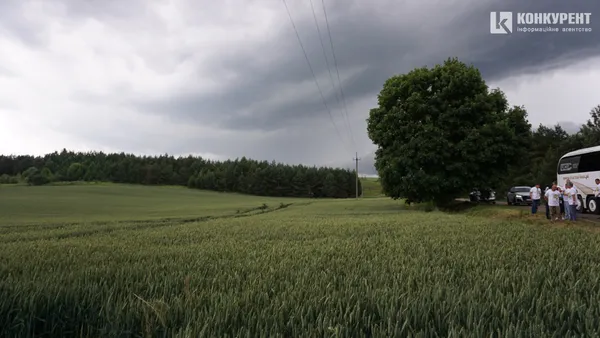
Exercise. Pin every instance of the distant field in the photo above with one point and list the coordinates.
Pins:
(371, 187)
(312, 268)
(114, 202)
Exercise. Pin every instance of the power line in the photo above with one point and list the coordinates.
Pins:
(329, 70)
(313, 73)
(337, 71)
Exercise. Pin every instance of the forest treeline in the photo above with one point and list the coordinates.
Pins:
(241, 175)
(546, 145)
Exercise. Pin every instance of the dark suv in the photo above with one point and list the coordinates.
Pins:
(518, 195)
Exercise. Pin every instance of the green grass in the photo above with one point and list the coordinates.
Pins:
(371, 187)
(114, 202)
(343, 268)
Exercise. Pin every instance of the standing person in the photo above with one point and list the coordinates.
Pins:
(553, 198)
(561, 202)
(597, 189)
(546, 203)
(576, 198)
(566, 195)
(572, 202)
(535, 194)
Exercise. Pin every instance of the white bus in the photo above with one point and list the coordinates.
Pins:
(581, 167)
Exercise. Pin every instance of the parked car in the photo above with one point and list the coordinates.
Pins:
(519, 195)
(482, 195)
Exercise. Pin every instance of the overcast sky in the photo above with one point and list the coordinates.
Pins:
(226, 79)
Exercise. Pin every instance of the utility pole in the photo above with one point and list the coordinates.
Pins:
(356, 159)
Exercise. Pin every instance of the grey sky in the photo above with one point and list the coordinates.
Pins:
(228, 78)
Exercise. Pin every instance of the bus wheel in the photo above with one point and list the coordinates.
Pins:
(580, 207)
(592, 205)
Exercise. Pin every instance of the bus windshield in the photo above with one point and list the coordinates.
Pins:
(569, 165)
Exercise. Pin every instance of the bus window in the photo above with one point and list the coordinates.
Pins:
(569, 165)
(589, 162)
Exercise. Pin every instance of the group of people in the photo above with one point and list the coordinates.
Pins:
(555, 211)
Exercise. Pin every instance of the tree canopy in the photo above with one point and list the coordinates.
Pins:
(442, 131)
(547, 145)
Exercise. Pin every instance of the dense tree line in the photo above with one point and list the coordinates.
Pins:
(546, 145)
(240, 175)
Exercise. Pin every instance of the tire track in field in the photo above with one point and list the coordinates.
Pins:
(114, 226)
(16, 228)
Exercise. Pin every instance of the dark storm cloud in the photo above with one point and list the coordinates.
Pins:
(373, 45)
(500, 56)
(262, 81)
(373, 40)
(376, 47)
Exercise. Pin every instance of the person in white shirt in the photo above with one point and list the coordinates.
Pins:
(535, 194)
(572, 199)
(553, 198)
(547, 207)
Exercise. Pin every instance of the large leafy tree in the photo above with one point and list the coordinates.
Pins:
(442, 131)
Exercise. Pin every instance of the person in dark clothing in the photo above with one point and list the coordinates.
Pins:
(561, 203)
(546, 203)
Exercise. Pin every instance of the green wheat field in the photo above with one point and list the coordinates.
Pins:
(108, 260)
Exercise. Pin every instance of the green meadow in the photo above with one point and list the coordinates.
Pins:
(109, 260)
